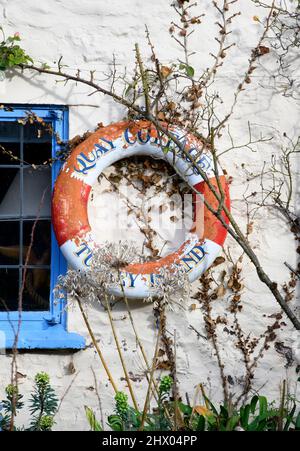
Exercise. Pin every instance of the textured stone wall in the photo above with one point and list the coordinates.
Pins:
(87, 34)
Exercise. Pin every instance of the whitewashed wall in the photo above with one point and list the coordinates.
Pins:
(87, 34)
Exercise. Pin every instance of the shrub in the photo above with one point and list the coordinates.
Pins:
(42, 406)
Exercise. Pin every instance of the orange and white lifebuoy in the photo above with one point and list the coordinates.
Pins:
(102, 149)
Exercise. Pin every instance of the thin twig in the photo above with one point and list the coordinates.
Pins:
(144, 78)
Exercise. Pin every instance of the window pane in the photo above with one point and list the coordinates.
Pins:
(9, 242)
(37, 192)
(37, 133)
(37, 144)
(9, 289)
(9, 140)
(37, 153)
(37, 289)
(9, 153)
(9, 131)
(9, 192)
(41, 247)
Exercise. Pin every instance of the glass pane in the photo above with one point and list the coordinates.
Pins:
(9, 131)
(9, 153)
(9, 289)
(9, 242)
(37, 289)
(9, 192)
(37, 192)
(41, 246)
(9, 142)
(37, 133)
(37, 153)
(37, 144)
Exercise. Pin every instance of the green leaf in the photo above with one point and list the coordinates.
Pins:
(190, 71)
(185, 409)
(134, 417)
(253, 425)
(211, 419)
(224, 412)
(297, 422)
(289, 418)
(232, 423)
(244, 416)
(262, 426)
(253, 404)
(201, 424)
(263, 406)
(94, 424)
(11, 54)
(115, 423)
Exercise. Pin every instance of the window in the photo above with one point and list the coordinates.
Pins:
(30, 260)
(25, 207)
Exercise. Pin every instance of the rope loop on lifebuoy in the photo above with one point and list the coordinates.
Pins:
(99, 151)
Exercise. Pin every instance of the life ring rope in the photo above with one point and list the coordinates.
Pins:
(103, 148)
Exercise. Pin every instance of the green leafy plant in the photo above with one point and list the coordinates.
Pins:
(11, 54)
(158, 420)
(42, 405)
(10, 406)
(257, 415)
(124, 418)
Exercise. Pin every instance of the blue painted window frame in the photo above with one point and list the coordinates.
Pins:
(43, 329)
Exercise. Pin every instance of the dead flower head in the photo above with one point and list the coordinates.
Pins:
(171, 283)
(93, 284)
(115, 256)
(172, 288)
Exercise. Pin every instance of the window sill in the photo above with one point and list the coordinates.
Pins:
(46, 337)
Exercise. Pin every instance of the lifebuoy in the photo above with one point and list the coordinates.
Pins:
(102, 149)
